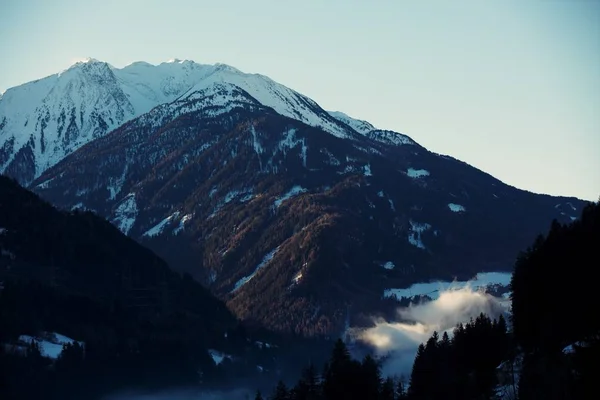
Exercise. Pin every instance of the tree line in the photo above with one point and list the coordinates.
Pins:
(549, 348)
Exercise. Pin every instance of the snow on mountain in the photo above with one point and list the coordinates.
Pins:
(367, 129)
(362, 127)
(433, 289)
(389, 137)
(283, 100)
(148, 85)
(43, 121)
(50, 344)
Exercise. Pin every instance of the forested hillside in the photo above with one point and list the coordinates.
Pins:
(135, 323)
(550, 351)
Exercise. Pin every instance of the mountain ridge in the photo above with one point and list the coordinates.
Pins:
(289, 225)
(44, 120)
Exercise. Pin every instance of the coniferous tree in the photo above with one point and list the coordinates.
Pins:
(369, 378)
(445, 342)
(309, 385)
(419, 376)
(538, 315)
(387, 389)
(281, 392)
(337, 371)
(401, 391)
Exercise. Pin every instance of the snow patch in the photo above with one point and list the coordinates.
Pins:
(294, 191)
(184, 220)
(115, 185)
(388, 265)
(414, 233)
(78, 206)
(266, 259)
(247, 197)
(456, 207)
(392, 206)
(331, 158)
(290, 141)
(255, 143)
(482, 281)
(50, 344)
(230, 196)
(44, 185)
(126, 213)
(367, 170)
(417, 173)
(218, 356)
(158, 228)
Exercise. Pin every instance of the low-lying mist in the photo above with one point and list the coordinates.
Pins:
(397, 342)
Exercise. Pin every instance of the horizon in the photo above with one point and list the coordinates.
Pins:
(512, 89)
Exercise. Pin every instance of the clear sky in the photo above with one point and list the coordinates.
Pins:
(511, 87)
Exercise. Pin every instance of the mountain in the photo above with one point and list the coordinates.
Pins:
(81, 253)
(298, 218)
(74, 275)
(43, 121)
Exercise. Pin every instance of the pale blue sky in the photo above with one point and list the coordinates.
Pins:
(511, 87)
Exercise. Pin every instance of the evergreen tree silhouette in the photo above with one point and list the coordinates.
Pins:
(387, 390)
(281, 392)
(419, 379)
(337, 371)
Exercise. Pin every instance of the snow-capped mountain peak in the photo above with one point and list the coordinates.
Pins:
(43, 121)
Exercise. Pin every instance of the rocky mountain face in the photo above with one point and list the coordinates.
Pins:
(298, 218)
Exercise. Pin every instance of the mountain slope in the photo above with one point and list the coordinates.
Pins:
(84, 254)
(43, 121)
(74, 274)
(295, 227)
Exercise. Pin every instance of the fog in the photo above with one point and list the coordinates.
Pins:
(397, 342)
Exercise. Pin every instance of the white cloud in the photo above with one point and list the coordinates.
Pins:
(398, 341)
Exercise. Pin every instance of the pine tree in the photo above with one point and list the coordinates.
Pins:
(281, 392)
(33, 351)
(401, 391)
(419, 379)
(308, 387)
(445, 342)
(370, 378)
(387, 390)
(70, 358)
(258, 396)
(336, 373)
